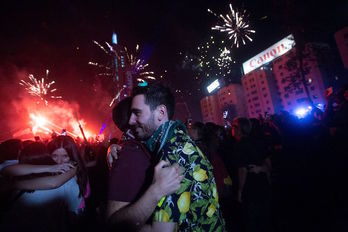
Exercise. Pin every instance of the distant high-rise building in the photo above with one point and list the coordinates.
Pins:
(292, 93)
(210, 109)
(273, 78)
(260, 92)
(228, 100)
(231, 101)
(341, 37)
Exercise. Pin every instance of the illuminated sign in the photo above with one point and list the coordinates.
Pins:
(214, 85)
(269, 54)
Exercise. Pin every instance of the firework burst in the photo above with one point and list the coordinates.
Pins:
(138, 66)
(132, 63)
(132, 68)
(213, 59)
(109, 68)
(236, 25)
(39, 88)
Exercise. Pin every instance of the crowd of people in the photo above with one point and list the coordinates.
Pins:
(272, 173)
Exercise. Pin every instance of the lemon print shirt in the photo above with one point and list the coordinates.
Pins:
(194, 207)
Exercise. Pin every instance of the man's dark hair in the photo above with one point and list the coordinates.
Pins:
(157, 94)
(121, 113)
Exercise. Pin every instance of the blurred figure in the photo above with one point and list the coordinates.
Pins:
(253, 175)
(51, 201)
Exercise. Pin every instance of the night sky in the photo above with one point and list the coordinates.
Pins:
(57, 35)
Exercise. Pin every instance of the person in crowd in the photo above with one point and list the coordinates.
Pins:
(195, 205)
(44, 202)
(130, 178)
(253, 175)
(196, 133)
(63, 149)
(214, 137)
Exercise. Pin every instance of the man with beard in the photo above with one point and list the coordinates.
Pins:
(194, 207)
(129, 205)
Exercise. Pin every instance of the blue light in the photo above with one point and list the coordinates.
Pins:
(114, 38)
(142, 84)
(301, 112)
(320, 106)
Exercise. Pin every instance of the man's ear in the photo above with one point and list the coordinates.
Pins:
(162, 113)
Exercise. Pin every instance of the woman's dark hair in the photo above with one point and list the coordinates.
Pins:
(35, 153)
(121, 113)
(70, 146)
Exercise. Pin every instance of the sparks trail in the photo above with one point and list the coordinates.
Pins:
(39, 88)
(236, 25)
(123, 67)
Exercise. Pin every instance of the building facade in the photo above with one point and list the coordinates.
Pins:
(210, 109)
(291, 89)
(228, 100)
(261, 92)
(274, 80)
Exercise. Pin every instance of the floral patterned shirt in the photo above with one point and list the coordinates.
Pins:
(194, 207)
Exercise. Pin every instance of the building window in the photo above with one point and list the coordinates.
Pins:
(264, 88)
(280, 66)
(283, 80)
(255, 98)
(268, 108)
(267, 102)
(262, 82)
(265, 95)
(286, 95)
(281, 73)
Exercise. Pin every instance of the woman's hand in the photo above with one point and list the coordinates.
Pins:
(112, 154)
(61, 168)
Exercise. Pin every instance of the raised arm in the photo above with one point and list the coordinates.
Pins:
(27, 169)
(44, 183)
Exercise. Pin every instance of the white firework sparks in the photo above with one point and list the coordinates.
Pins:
(214, 58)
(39, 88)
(236, 25)
(109, 68)
(138, 66)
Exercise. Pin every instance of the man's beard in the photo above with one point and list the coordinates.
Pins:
(144, 131)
